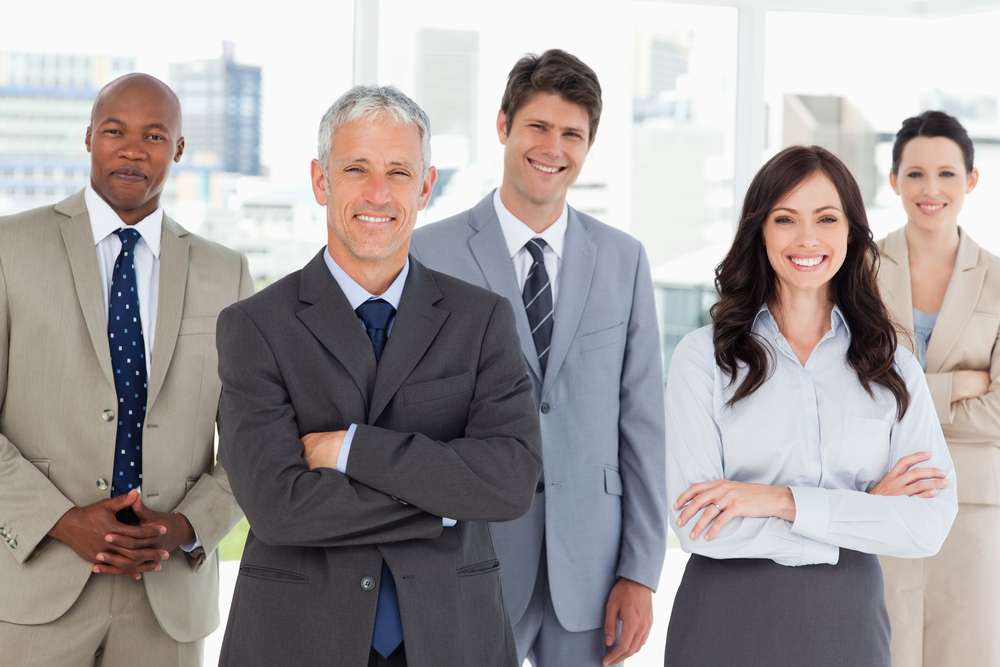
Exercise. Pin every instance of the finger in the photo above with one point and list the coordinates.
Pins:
(140, 555)
(914, 474)
(140, 508)
(611, 621)
(126, 565)
(693, 491)
(720, 521)
(707, 516)
(134, 543)
(620, 650)
(925, 485)
(695, 505)
(116, 503)
(928, 494)
(905, 463)
(140, 532)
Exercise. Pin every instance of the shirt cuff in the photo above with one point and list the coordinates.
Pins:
(188, 548)
(812, 512)
(448, 523)
(345, 449)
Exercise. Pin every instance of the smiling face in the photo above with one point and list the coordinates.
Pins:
(805, 235)
(544, 150)
(134, 135)
(932, 182)
(373, 187)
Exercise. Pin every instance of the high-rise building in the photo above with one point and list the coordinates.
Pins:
(221, 100)
(45, 102)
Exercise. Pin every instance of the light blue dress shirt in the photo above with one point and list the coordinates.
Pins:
(815, 429)
(357, 295)
(923, 327)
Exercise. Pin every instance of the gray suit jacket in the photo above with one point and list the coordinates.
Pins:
(601, 404)
(58, 405)
(446, 427)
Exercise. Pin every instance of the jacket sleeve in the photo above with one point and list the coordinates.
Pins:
(972, 420)
(490, 473)
(285, 502)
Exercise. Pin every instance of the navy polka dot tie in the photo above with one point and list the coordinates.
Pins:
(128, 359)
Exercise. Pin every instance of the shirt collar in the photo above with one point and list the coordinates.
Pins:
(105, 222)
(356, 294)
(764, 322)
(516, 233)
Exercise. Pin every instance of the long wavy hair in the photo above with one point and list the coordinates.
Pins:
(745, 281)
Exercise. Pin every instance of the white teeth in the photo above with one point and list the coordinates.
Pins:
(931, 207)
(806, 261)
(371, 218)
(542, 168)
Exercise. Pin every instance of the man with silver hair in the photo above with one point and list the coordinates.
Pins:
(375, 415)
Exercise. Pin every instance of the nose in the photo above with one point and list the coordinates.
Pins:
(132, 149)
(377, 190)
(551, 144)
(807, 236)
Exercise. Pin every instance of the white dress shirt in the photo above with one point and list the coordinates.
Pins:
(814, 429)
(103, 223)
(517, 234)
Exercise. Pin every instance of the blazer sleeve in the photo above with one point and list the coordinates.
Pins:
(490, 473)
(285, 502)
(642, 446)
(210, 506)
(30, 505)
(971, 420)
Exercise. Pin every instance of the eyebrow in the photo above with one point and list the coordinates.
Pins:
(792, 210)
(943, 166)
(151, 126)
(548, 124)
(366, 161)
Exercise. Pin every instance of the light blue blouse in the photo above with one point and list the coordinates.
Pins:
(814, 428)
(923, 327)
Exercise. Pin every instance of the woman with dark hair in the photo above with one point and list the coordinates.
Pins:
(787, 418)
(943, 290)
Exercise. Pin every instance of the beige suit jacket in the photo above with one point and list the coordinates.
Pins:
(57, 412)
(964, 338)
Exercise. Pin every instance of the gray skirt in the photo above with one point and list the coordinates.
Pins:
(752, 612)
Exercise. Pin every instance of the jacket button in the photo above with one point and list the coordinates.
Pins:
(102, 484)
(545, 408)
(539, 487)
(108, 415)
(367, 583)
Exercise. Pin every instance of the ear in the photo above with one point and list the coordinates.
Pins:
(180, 150)
(502, 127)
(894, 181)
(973, 180)
(87, 137)
(427, 187)
(319, 183)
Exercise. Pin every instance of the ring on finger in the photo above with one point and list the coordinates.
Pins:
(717, 507)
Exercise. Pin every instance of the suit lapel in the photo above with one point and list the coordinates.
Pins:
(575, 275)
(489, 248)
(959, 303)
(335, 325)
(894, 282)
(414, 328)
(175, 256)
(79, 239)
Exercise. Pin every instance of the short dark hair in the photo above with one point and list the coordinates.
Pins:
(932, 124)
(555, 71)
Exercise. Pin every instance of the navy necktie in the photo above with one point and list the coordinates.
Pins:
(388, 633)
(537, 296)
(128, 359)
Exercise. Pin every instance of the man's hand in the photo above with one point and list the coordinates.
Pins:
(724, 500)
(969, 384)
(84, 530)
(906, 480)
(632, 604)
(164, 532)
(322, 449)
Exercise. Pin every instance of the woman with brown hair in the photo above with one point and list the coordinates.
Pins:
(944, 291)
(788, 419)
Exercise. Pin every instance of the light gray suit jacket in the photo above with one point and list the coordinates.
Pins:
(57, 407)
(601, 405)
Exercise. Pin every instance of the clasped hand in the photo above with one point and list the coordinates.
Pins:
(720, 501)
(97, 536)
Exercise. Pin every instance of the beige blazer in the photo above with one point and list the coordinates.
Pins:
(57, 412)
(965, 338)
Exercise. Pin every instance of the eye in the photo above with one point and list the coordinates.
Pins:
(156, 137)
(400, 172)
(783, 220)
(536, 126)
(574, 135)
(354, 169)
(828, 220)
(914, 174)
(947, 173)
(112, 131)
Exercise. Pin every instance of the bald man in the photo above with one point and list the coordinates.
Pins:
(111, 499)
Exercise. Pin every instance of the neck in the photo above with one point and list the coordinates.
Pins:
(803, 316)
(538, 216)
(131, 216)
(939, 244)
(374, 275)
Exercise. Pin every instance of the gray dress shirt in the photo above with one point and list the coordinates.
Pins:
(815, 429)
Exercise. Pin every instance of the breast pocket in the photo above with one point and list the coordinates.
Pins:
(863, 451)
(429, 391)
(595, 340)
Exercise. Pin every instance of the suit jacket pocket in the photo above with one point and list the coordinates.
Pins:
(432, 390)
(482, 567)
(197, 325)
(41, 464)
(272, 574)
(613, 482)
(601, 337)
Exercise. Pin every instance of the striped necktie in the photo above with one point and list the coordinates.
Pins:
(538, 303)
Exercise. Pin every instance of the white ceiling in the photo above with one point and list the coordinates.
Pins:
(911, 8)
